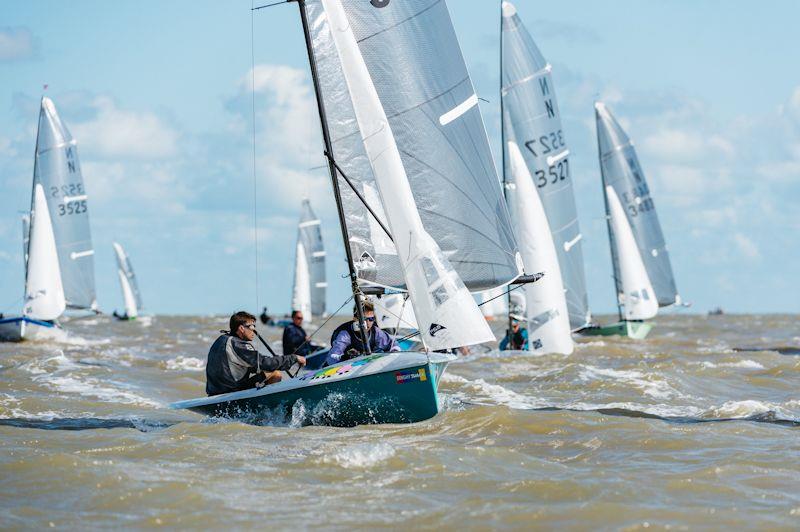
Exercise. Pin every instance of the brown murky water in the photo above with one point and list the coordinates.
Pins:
(683, 430)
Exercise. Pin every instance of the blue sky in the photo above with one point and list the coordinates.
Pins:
(158, 96)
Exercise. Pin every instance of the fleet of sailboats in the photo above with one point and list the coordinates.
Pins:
(427, 224)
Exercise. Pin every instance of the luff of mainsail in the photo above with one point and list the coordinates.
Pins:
(58, 171)
(531, 111)
(131, 296)
(545, 306)
(432, 110)
(620, 170)
(445, 310)
(309, 233)
(44, 292)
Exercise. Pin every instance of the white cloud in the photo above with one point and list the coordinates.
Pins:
(115, 133)
(16, 44)
(746, 246)
(682, 145)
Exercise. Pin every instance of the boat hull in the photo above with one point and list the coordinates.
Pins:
(19, 328)
(637, 330)
(375, 389)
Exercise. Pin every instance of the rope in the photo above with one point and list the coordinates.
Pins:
(346, 301)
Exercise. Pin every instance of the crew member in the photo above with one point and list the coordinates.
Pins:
(235, 364)
(347, 340)
(519, 337)
(295, 339)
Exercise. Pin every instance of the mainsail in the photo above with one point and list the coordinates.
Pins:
(385, 49)
(309, 298)
(58, 172)
(621, 172)
(127, 281)
(417, 70)
(533, 123)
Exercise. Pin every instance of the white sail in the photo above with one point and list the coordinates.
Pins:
(301, 293)
(127, 282)
(546, 305)
(44, 292)
(637, 295)
(447, 314)
(26, 235)
(394, 311)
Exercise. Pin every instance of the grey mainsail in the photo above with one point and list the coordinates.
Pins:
(533, 122)
(310, 234)
(620, 169)
(58, 171)
(125, 267)
(415, 62)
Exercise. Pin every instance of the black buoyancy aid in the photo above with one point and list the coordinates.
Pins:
(355, 337)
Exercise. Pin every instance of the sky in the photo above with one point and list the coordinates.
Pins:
(158, 96)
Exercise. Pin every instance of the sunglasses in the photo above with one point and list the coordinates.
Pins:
(252, 327)
(370, 318)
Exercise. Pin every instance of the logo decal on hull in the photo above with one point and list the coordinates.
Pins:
(403, 377)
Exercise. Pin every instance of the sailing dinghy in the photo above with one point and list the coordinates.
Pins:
(539, 190)
(131, 296)
(59, 262)
(308, 294)
(642, 270)
(401, 127)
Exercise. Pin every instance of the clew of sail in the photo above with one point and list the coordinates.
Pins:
(621, 171)
(58, 171)
(635, 291)
(309, 233)
(446, 312)
(127, 281)
(412, 53)
(532, 121)
(545, 306)
(44, 292)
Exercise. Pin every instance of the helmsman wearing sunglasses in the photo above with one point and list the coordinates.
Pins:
(346, 340)
(234, 364)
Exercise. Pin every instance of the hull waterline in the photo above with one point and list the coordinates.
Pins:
(638, 330)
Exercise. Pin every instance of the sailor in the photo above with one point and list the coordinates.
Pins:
(295, 339)
(347, 341)
(265, 319)
(235, 364)
(519, 337)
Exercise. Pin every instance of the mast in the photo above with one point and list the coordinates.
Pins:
(357, 295)
(611, 244)
(503, 158)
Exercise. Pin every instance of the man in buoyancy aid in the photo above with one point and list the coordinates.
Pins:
(235, 364)
(346, 340)
(519, 337)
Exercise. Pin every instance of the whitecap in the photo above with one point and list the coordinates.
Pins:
(186, 363)
(361, 455)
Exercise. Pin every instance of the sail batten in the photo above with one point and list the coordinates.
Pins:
(532, 121)
(621, 171)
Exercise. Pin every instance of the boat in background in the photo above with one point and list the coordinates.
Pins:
(131, 296)
(539, 191)
(308, 293)
(642, 271)
(381, 142)
(59, 259)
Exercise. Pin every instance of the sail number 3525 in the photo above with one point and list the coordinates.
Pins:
(72, 207)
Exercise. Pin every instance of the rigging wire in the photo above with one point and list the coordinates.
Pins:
(335, 312)
(253, 108)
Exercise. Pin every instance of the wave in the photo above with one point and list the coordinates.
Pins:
(84, 423)
(360, 455)
(186, 363)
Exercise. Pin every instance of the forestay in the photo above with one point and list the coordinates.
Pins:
(412, 54)
(532, 113)
(127, 279)
(621, 171)
(445, 310)
(309, 233)
(58, 171)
